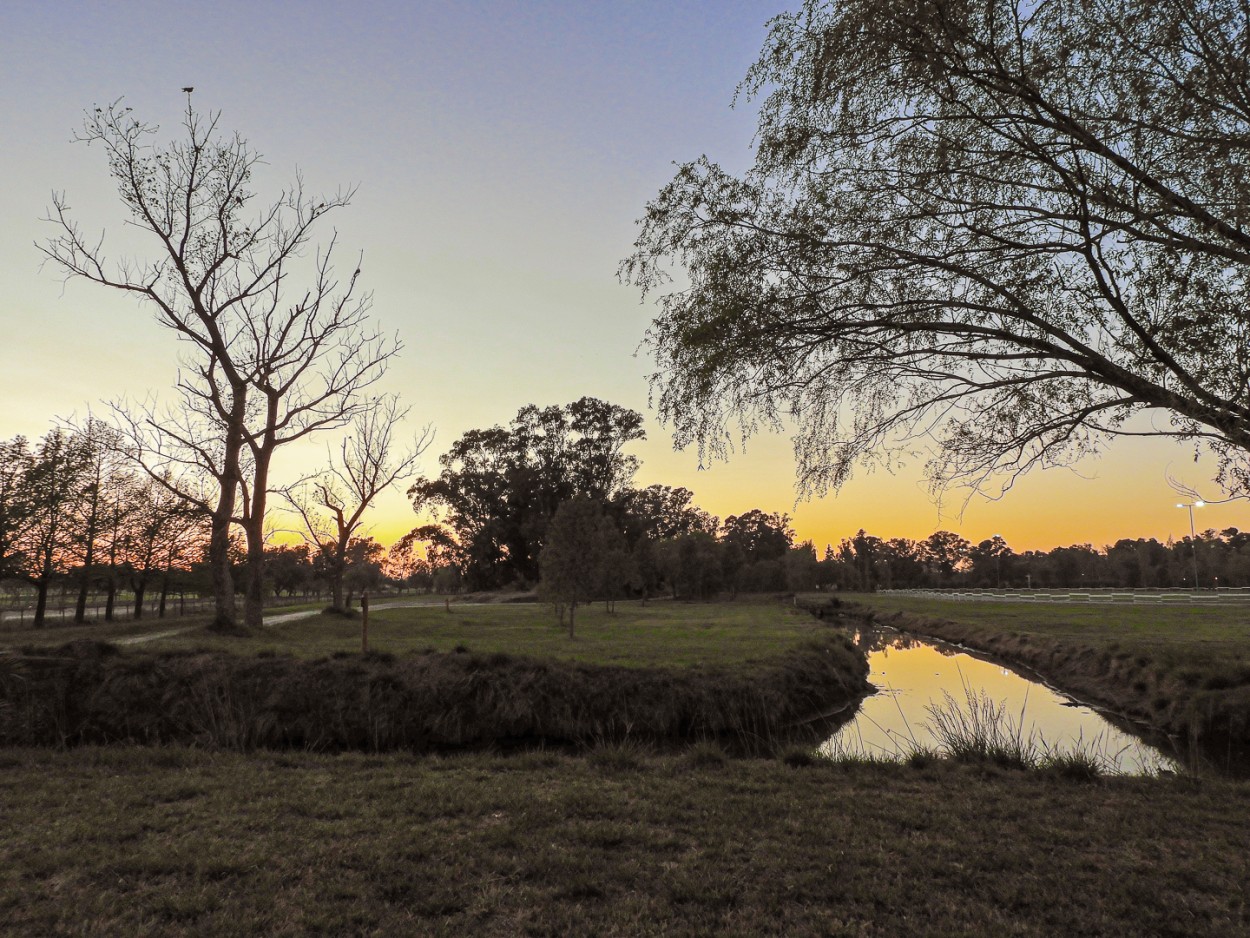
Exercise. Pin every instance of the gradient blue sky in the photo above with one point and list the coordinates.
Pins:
(502, 152)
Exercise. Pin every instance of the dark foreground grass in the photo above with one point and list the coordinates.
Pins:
(176, 841)
(657, 633)
(1183, 670)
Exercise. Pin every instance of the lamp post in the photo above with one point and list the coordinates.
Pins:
(1193, 536)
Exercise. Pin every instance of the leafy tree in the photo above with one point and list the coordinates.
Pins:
(363, 570)
(501, 487)
(582, 543)
(1008, 226)
(944, 552)
(104, 471)
(269, 363)
(161, 526)
(659, 512)
(991, 562)
(760, 535)
(15, 507)
(43, 493)
(801, 567)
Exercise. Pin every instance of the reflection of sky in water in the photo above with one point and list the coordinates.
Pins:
(910, 675)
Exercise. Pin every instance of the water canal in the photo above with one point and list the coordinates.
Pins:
(913, 676)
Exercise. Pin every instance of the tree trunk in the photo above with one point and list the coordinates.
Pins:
(254, 594)
(84, 583)
(254, 588)
(41, 603)
(338, 566)
(225, 616)
(110, 596)
(140, 588)
(572, 610)
(160, 612)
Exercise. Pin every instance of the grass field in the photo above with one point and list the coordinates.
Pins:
(58, 633)
(178, 841)
(1185, 670)
(473, 677)
(652, 634)
(1176, 632)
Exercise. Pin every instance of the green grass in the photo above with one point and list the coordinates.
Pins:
(1184, 632)
(654, 634)
(56, 633)
(177, 841)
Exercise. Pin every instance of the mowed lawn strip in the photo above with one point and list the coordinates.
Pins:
(179, 841)
(59, 632)
(656, 633)
(1177, 667)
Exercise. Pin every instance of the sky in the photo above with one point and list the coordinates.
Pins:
(502, 153)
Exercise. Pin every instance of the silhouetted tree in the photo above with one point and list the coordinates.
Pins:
(43, 493)
(659, 512)
(501, 487)
(269, 363)
(331, 505)
(1008, 226)
(761, 535)
(575, 561)
(943, 552)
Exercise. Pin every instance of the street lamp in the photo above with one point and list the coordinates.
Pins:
(1193, 536)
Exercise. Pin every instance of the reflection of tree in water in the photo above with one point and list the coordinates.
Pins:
(887, 640)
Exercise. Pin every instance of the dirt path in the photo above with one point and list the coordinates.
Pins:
(270, 620)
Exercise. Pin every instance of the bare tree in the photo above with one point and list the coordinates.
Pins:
(1007, 227)
(332, 505)
(268, 363)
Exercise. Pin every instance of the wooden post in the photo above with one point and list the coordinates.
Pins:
(364, 621)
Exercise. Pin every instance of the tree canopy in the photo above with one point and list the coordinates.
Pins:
(996, 230)
(500, 487)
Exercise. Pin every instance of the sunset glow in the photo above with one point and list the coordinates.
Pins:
(503, 152)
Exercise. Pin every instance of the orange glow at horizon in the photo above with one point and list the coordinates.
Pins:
(1124, 494)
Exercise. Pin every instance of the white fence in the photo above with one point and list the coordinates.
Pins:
(1234, 596)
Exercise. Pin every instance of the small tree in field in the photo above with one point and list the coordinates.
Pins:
(580, 543)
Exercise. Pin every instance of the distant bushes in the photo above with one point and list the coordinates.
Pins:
(90, 692)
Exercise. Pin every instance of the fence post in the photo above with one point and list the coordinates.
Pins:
(364, 621)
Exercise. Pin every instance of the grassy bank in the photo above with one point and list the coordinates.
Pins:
(786, 667)
(172, 841)
(657, 633)
(1184, 670)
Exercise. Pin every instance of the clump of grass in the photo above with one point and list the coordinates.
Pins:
(920, 757)
(706, 754)
(982, 731)
(1078, 765)
(618, 755)
(798, 757)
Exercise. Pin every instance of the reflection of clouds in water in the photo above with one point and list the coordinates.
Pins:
(912, 674)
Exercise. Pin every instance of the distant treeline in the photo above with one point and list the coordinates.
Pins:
(943, 559)
(500, 490)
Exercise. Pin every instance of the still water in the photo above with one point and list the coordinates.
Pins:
(911, 676)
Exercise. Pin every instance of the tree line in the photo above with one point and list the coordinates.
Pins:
(72, 510)
(548, 501)
(944, 559)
